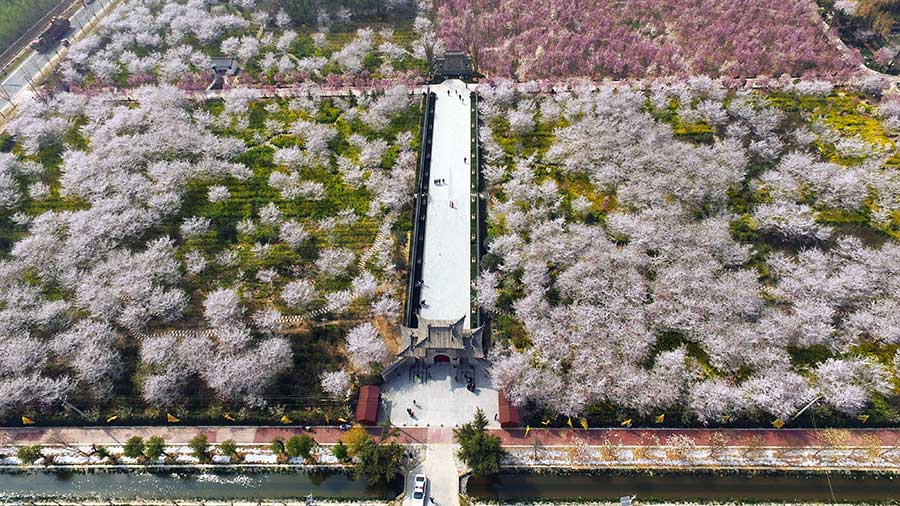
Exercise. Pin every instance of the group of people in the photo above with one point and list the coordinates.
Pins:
(410, 412)
(458, 95)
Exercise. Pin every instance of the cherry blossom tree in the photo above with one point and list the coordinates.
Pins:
(222, 307)
(335, 383)
(771, 38)
(365, 345)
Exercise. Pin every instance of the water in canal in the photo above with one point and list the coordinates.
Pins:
(120, 485)
(687, 486)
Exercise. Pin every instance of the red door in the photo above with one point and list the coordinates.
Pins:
(441, 358)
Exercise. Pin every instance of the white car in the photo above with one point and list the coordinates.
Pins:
(420, 483)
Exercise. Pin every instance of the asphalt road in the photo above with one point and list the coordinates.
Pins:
(19, 79)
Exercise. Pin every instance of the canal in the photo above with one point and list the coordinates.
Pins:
(193, 485)
(683, 486)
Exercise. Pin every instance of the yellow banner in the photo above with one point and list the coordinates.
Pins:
(112, 419)
(172, 419)
(27, 421)
(584, 424)
(626, 423)
(661, 418)
(285, 419)
(778, 423)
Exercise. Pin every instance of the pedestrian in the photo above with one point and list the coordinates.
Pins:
(432, 500)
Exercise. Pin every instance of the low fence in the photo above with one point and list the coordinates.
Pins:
(478, 208)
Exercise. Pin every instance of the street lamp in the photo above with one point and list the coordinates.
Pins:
(817, 399)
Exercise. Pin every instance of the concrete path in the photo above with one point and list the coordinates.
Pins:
(439, 466)
(446, 260)
(31, 68)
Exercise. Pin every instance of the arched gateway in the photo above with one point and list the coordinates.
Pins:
(436, 341)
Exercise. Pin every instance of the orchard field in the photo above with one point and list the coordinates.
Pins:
(684, 243)
(541, 39)
(171, 42)
(129, 220)
(723, 256)
(241, 256)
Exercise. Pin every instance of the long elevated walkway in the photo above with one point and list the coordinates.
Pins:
(446, 278)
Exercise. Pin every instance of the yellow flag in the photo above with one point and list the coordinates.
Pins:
(778, 423)
(285, 419)
(661, 418)
(726, 419)
(327, 418)
(569, 422)
(863, 418)
(626, 423)
(527, 430)
(584, 424)
(172, 419)
(27, 421)
(228, 417)
(545, 422)
(342, 420)
(112, 419)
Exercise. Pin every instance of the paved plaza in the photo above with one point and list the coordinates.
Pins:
(441, 399)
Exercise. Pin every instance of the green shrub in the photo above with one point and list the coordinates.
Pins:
(134, 447)
(478, 449)
(341, 452)
(102, 452)
(199, 446)
(380, 463)
(277, 446)
(29, 454)
(155, 447)
(300, 446)
(229, 448)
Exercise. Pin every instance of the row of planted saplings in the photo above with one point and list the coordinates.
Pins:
(154, 450)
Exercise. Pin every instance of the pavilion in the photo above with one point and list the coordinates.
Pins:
(454, 65)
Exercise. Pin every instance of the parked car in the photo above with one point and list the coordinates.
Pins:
(420, 483)
(58, 27)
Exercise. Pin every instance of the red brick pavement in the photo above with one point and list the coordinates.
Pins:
(736, 437)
